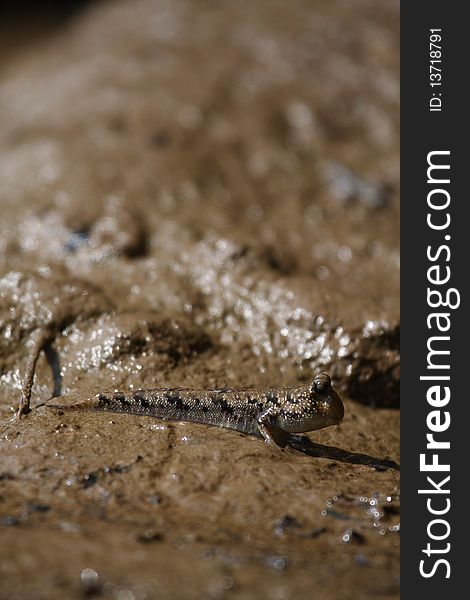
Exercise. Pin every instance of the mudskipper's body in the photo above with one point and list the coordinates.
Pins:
(272, 412)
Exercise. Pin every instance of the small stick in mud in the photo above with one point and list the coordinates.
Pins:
(40, 338)
(273, 413)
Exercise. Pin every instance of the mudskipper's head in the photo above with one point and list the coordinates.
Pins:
(327, 401)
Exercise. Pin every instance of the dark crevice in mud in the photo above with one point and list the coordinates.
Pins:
(382, 389)
(179, 340)
(375, 373)
(278, 261)
(306, 446)
(174, 339)
(53, 359)
(27, 23)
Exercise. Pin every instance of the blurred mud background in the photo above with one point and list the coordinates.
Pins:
(199, 194)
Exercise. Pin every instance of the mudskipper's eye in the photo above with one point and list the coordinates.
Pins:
(321, 383)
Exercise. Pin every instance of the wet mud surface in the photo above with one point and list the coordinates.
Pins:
(200, 195)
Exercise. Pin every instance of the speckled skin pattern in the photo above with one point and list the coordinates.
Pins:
(271, 412)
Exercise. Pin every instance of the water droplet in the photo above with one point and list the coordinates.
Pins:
(344, 253)
(277, 562)
(90, 580)
(124, 594)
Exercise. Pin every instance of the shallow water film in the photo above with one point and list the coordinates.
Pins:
(199, 195)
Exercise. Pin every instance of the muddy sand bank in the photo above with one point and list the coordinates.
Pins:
(200, 195)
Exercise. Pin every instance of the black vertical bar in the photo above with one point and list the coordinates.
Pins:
(424, 131)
